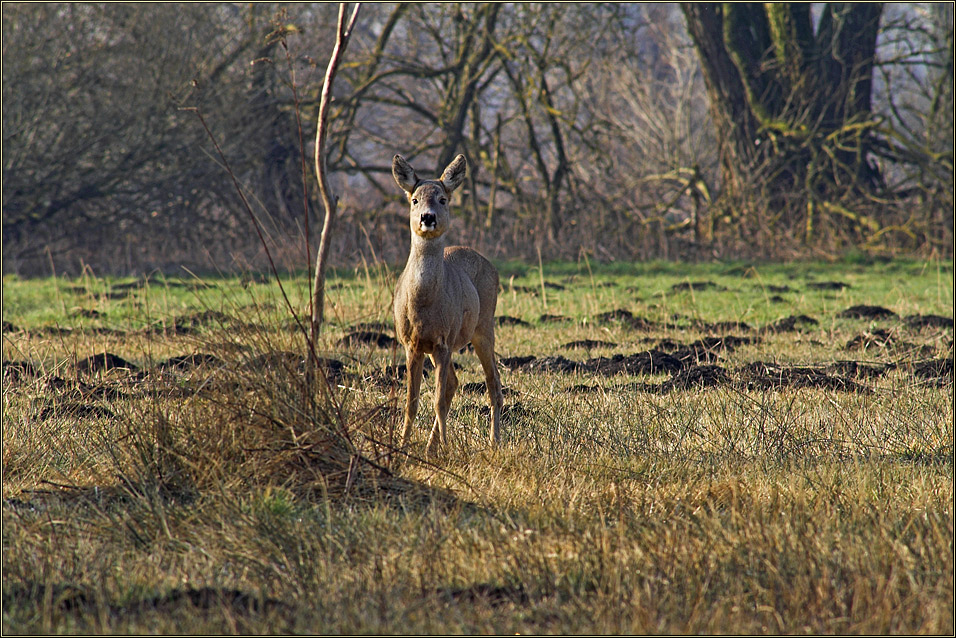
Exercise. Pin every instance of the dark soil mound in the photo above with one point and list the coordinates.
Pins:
(188, 361)
(546, 318)
(523, 289)
(583, 388)
(761, 375)
(649, 362)
(722, 326)
(879, 338)
(17, 371)
(192, 323)
(102, 362)
(511, 413)
(487, 593)
(294, 363)
(401, 370)
(157, 281)
(479, 387)
(705, 376)
(472, 388)
(867, 312)
(934, 368)
(515, 363)
(707, 350)
(860, 370)
(87, 313)
(378, 339)
(696, 285)
(74, 409)
(100, 391)
(667, 345)
(379, 326)
(625, 318)
(588, 344)
(205, 318)
(827, 285)
(334, 369)
(554, 364)
(275, 359)
(789, 324)
(213, 598)
(922, 321)
(505, 320)
(71, 598)
(692, 378)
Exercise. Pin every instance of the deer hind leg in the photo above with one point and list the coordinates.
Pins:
(413, 363)
(446, 382)
(485, 349)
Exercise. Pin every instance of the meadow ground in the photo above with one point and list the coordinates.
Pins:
(722, 448)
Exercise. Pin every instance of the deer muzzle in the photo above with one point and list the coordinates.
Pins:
(428, 221)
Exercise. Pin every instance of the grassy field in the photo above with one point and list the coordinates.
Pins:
(722, 448)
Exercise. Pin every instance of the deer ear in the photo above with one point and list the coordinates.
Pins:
(404, 174)
(454, 174)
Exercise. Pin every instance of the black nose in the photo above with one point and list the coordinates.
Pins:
(428, 219)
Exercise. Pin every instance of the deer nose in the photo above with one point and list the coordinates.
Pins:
(428, 220)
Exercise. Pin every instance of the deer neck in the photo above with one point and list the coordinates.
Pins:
(425, 269)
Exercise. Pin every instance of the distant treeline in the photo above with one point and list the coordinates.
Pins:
(616, 131)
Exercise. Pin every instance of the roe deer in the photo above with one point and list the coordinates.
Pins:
(445, 298)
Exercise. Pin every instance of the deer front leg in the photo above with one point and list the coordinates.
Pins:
(413, 364)
(446, 382)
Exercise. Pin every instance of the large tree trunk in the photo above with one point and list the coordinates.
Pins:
(791, 104)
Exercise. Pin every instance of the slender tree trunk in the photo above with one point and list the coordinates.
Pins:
(329, 201)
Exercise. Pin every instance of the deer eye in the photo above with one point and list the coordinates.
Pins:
(443, 201)
(414, 201)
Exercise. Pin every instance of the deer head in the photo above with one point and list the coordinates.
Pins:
(428, 216)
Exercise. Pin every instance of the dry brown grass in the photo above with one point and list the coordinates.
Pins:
(233, 496)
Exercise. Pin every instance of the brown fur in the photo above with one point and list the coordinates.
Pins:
(444, 300)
